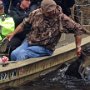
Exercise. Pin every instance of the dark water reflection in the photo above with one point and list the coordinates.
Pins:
(56, 81)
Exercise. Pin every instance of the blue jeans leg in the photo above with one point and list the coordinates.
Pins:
(15, 53)
(26, 51)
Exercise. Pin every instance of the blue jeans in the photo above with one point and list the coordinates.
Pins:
(26, 51)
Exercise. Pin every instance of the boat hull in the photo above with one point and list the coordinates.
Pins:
(18, 73)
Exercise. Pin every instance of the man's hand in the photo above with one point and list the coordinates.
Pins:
(10, 36)
(78, 51)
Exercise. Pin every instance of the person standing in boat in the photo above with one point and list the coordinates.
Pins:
(18, 13)
(7, 24)
(48, 23)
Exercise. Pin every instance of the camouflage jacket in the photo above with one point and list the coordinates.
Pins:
(47, 31)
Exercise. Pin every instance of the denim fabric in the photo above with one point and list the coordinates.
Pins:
(26, 51)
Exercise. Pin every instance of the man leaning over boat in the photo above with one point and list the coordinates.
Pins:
(48, 23)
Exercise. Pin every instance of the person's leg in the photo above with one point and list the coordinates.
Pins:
(13, 44)
(38, 51)
(30, 52)
(15, 53)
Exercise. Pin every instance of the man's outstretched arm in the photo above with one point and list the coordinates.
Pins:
(17, 30)
(78, 44)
